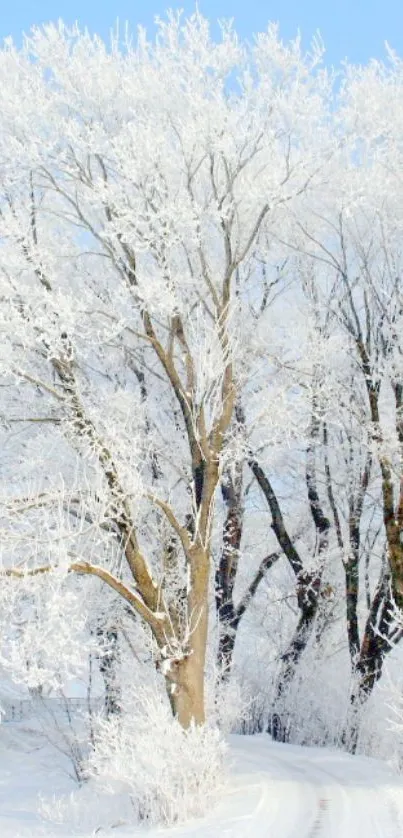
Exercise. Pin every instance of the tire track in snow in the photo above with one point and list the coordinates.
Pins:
(294, 792)
(319, 824)
(330, 795)
(352, 796)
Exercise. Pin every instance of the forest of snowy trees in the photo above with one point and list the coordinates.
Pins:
(201, 396)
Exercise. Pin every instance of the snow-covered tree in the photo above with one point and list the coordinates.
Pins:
(141, 188)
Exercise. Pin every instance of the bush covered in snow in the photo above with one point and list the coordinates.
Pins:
(171, 774)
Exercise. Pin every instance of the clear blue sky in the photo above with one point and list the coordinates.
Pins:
(355, 29)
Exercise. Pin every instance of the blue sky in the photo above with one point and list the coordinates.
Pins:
(355, 29)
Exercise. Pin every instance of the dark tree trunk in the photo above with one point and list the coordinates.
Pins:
(380, 636)
(226, 646)
(308, 585)
(352, 580)
(108, 661)
(228, 619)
(352, 565)
(308, 600)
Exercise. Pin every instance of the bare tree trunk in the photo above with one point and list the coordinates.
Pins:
(379, 638)
(228, 620)
(108, 661)
(184, 677)
(226, 643)
(380, 635)
(308, 601)
(185, 688)
(229, 614)
(351, 566)
(308, 585)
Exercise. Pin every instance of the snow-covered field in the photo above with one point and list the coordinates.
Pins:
(274, 790)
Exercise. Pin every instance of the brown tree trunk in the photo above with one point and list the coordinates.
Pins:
(185, 674)
(186, 694)
(185, 683)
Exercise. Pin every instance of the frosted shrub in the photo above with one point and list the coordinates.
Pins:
(170, 774)
(86, 809)
(381, 729)
(227, 706)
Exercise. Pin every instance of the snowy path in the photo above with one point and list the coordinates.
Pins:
(275, 791)
(290, 792)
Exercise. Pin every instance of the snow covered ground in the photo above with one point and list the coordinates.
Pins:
(274, 790)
